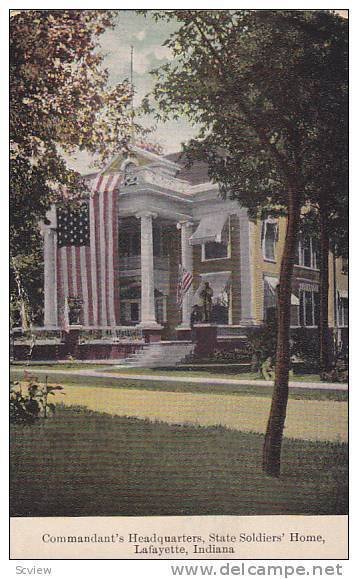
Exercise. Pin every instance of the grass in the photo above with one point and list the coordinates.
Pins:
(224, 372)
(63, 366)
(83, 463)
(241, 389)
(215, 371)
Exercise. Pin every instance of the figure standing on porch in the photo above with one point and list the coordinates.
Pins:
(206, 296)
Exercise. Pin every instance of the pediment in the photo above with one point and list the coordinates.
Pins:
(141, 158)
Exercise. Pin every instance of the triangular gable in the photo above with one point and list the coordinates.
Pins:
(141, 157)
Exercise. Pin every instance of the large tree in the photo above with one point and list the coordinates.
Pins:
(257, 81)
(61, 101)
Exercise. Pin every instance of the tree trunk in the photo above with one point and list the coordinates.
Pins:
(276, 422)
(324, 341)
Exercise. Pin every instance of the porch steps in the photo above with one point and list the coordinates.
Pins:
(159, 355)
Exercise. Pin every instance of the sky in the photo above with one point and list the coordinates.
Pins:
(147, 37)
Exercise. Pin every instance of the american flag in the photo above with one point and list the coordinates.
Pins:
(87, 255)
(185, 279)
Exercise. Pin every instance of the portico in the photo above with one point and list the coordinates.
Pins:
(163, 224)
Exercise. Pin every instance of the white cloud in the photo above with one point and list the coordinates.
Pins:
(141, 35)
(162, 52)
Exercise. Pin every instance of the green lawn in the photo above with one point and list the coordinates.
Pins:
(205, 372)
(238, 389)
(83, 463)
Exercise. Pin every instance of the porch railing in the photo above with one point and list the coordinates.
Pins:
(88, 335)
(132, 262)
(115, 335)
(227, 331)
(36, 335)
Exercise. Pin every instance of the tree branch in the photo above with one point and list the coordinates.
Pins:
(280, 160)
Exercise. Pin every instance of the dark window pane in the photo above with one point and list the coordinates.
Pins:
(294, 315)
(270, 241)
(316, 308)
(135, 312)
(309, 308)
(307, 252)
(135, 243)
(343, 312)
(302, 317)
(123, 243)
(156, 241)
(214, 250)
(315, 254)
(344, 265)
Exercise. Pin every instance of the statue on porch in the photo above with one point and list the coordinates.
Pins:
(74, 310)
(206, 296)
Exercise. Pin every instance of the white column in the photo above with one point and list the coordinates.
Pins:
(50, 277)
(147, 271)
(186, 228)
(246, 270)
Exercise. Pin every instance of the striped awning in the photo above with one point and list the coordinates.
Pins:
(309, 287)
(209, 229)
(272, 283)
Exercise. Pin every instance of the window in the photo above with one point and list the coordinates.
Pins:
(130, 304)
(269, 239)
(215, 249)
(134, 309)
(307, 254)
(129, 242)
(342, 311)
(309, 308)
(160, 241)
(161, 309)
(344, 269)
(294, 316)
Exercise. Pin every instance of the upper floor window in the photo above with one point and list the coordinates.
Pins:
(129, 242)
(342, 311)
(269, 238)
(344, 269)
(218, 249)
(307, 254)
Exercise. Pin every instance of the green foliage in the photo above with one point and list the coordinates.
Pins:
(339, 373)
(262, 344)
(61, 102)
(305, 346)
(29, 401)
(268, 89)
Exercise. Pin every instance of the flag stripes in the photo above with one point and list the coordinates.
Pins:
(87, 266)
(185, 279)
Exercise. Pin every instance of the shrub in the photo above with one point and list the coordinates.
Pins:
(29, 400)
(262, 345)
(305, 347)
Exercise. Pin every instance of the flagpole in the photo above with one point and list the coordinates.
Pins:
(132, 99)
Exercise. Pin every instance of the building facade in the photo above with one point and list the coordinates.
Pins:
(148, 220)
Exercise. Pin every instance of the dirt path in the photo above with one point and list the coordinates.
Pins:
(306, 419)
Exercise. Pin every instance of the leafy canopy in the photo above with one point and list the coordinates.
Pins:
(268, 88)
(61, 102)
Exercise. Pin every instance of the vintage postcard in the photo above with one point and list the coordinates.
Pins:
(179, 285)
